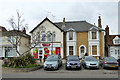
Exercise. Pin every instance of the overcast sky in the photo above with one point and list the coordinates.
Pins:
(34, 11)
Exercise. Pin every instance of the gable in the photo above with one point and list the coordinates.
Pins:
(93, 29)
(46, 19)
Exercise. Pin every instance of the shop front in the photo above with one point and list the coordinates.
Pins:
(44, 49)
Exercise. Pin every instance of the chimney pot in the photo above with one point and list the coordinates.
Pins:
(107, 30)
(99, 22)
(24, 30)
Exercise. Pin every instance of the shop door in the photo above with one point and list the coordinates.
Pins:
(58, 51)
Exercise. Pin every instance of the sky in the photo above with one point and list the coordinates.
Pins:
(34, 11)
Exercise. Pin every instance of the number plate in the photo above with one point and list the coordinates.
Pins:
(73, 66)
(111, 66)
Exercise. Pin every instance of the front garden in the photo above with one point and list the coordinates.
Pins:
(23, 63)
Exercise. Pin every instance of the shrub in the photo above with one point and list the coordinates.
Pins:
(21, 61)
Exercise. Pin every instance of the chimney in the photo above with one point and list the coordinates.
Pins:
(24, 30)
(99, 22)
(63, 23)
(107, 30)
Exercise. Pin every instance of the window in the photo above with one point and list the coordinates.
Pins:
(82, 49)
(43, 36)
(70, 50)
(94, 35)
(94, 50)
(70, 35)
(48, 36)
(115, 51)
(53, 36)
(118, 52)
(38, 37)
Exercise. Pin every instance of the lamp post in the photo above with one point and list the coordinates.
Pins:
(52, 42)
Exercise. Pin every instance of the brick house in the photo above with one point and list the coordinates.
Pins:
(81, 37)
(112, 44)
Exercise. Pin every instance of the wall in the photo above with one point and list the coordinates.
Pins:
(82, 39)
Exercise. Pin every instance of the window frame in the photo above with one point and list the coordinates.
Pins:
(71, 35)
(71, 50)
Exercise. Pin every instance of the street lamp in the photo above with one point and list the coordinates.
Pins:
(52, 42)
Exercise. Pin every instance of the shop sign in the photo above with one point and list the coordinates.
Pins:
(46, 44)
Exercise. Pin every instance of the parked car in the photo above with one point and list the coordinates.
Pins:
(90, 62)
(52, 62)
(109, 62)
(73, 62)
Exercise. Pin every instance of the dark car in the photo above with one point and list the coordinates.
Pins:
(109, 62)
(52, 62)
(73, 62)
(90, 62)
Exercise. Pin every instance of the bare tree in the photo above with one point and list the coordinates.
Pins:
(17, 26)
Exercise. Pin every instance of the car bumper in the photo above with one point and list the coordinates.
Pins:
(110, 66)
(92, 66)
(73, 66)
(51, 67)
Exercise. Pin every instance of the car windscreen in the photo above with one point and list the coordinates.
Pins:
(72, 58)
(90, 59)
(110, 59)
(52, 58)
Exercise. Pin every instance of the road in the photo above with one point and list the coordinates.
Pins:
(62, 73)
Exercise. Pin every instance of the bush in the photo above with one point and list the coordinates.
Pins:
(21, 61)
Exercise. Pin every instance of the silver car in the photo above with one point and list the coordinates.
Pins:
(90, 62)
(52, 62)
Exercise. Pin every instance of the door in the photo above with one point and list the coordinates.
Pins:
(58, 51)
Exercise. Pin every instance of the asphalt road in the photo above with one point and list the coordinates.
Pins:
(62, 73)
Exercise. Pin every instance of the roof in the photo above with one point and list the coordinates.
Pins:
(78, 26)
(3, 29)
(15, 33)
(42, 22)
(109, 39)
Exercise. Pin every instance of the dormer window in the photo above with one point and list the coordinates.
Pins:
(70, 35)
(94, 35)
(117, 41)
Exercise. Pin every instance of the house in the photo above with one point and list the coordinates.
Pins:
(71, 38)
(112, 44)
(81, 37)
(46, 38)
(8, 43)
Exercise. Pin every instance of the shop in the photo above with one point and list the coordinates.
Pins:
(45, 49)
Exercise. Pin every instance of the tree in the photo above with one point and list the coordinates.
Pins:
(17, 27)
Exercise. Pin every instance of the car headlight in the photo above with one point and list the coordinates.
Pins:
(45, 64)
(68, 63)
(79, 63)
(87, 63)
(55, 64)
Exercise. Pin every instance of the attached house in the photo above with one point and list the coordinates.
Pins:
(68, 38)
(112, 44)
(81, 37)
(8, 39)
(47, 38)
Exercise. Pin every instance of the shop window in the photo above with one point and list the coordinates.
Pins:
(70, 35)
(70, 50)
(94, 50)
(43, 36)
(48, 36)
(53, 36)
(94, 35)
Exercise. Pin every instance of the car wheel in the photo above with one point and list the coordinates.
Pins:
(80, 68)
(58, 68)
(66, 68)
